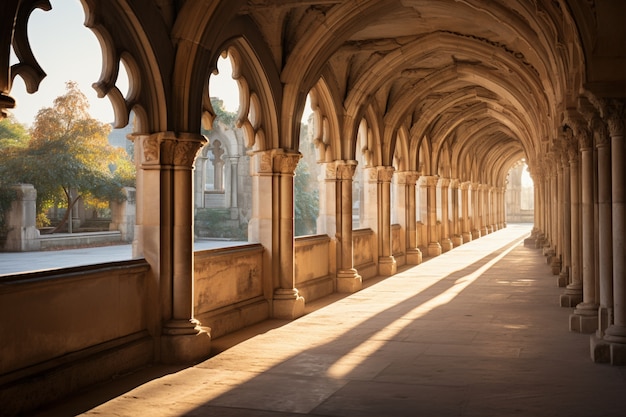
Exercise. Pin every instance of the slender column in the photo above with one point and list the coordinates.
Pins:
(446, 243)
(466, 233)
(434, 248)
(585, 316)
(557, 204)
(348, 280)
(605, 251)
(387, 265)
(407, 181)
(573, 292)
(165, 239)
(272, 224)
(616, 333)
(482, 208)
(476, 224)
(457, 239)
(566, 208)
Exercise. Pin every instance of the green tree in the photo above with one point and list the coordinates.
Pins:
(68, 156)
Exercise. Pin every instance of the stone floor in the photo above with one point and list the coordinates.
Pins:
(473, 332)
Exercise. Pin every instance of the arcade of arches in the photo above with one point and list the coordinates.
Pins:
(427, 100)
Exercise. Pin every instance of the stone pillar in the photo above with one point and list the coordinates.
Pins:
(434, 248)
(234, 183)
(566, 221)
(348, 280)
(482, 208)
(446, 243)
(165, 239)
(407, 181)
(457, 238)
(605, 244)
(272, 224)
(615, 334)
(123, 214)
(20, 221)
(557, 196)
(476, 216)
(466, 232)
(387, 265)
(573, 292)
(585, 316)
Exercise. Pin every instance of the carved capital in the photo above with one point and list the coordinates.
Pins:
(444, 182)
(431, 180)
(274, 161)
(407, 177)
(454, 183)
(167, 148)
(615, 117)
(465, 185)
(384, 173)
(345, 169)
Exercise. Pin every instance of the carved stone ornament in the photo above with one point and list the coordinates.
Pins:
(286, 163)
(615, 117)
(407, 177)
(346, 169)
(166, 148)
(385, 173)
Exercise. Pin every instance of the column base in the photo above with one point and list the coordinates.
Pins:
(616, 337)
(467, 237)
(475, 234)
(457, 240)
(349, 281)
(387, 266)
(434, 249)
(414, 256)
(287, 304)
(184, 342)
(572, 296)
(584, 319)
(600, 349)
(446, 245)
(556, 265)
(484, 231)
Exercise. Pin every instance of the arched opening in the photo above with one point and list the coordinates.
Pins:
(519, 194)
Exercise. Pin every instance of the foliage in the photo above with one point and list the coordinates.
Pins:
(223, 115)
(214, 222)
(68, 156)
(306, 199)
(13, 136)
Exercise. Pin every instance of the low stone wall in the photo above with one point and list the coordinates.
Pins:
(228, 288)
(398, 244)
(314, 258)
(69, 329)
(365, 253)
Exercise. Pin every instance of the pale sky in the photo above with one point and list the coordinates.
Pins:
(68, 51)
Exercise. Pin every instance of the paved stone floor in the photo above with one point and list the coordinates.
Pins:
(473, 332)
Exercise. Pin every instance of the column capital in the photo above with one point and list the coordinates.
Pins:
(616, 117)
(381, 173)
(431, 180)
(274, 161)
(444, 182)
(465, 185)
(454, 183)
(168, 148)
(407, 177)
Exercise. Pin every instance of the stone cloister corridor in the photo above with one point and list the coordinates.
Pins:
(474, 332)
(420, 110)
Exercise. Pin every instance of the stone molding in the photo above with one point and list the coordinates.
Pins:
(168, 148)
(274, 161)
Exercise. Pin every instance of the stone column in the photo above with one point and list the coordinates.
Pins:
(482, 208)
(165, 221)
(566, 221)
(616, 333)
(407, 181)
(466, 233)
(387, 265)
(348, 280)
(434, 248)
(272, 224)
(457, 239)
(557, 203)
(20, 221)
(476, 211)
(446, 243)
(585, 316)
(605, 244)
(573, 292)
